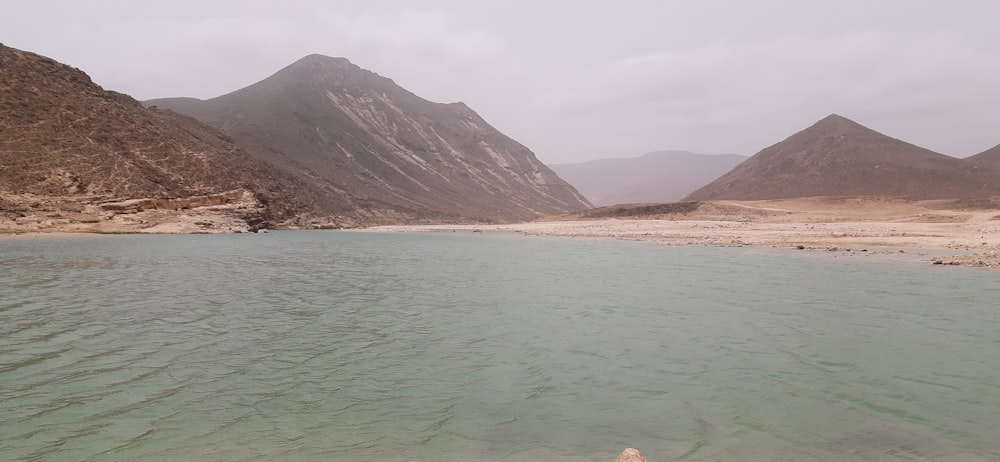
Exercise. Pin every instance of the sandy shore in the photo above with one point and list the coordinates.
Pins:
(948, 232)
(969, 236)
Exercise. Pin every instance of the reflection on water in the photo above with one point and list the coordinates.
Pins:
(334, 346)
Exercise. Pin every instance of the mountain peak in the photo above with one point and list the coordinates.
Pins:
(321, 65)
(383, 149)
(839, 157)
(323, 71)
(317, 60)
(836, 124)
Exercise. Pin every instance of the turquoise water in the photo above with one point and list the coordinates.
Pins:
(447, 347)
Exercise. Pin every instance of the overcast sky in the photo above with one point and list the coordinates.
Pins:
(575, 80)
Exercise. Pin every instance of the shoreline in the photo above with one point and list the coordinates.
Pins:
(939, 243)
(968, 230)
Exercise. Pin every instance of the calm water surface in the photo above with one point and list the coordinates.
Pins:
(441, 347)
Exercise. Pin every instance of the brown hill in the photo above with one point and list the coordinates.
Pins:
(987, 158)
(71, 151)
(661, 176)
(335, 124)
(838, 157)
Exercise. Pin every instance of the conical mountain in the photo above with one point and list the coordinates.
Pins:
(839, 157)
(988, 158)
(660, 176)
(333, 123)
(67, 144)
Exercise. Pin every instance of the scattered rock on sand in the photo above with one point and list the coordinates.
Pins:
(980, 260)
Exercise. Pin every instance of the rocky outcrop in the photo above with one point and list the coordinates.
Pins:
(234, 212)
(138, 205)
(376, 146)
(69, 148)
(630, 455)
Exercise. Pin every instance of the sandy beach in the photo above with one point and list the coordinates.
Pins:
(967, 233)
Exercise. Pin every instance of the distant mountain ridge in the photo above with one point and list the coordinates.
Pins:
(335, 125)
(839, 157)
(660, 176)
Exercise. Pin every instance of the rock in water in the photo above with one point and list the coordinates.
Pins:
(630, 455)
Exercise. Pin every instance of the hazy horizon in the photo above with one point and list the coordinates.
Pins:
(572, 81)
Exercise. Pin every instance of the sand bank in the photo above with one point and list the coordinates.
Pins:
(972, 235)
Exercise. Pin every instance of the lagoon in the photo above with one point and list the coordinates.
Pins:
(459, 346)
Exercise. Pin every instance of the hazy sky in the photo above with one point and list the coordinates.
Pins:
(575, 80)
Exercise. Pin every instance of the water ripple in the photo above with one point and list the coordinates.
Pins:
(331, 346)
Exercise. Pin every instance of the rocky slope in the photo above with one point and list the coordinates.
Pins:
(341, 127)
(74, 156)
(987, 158)
(838, 157)
(662, 176)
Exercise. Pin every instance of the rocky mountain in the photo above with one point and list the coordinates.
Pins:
(987, 158)
(838, 157)
(72, 153)
(661, 176)
(331, 123)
